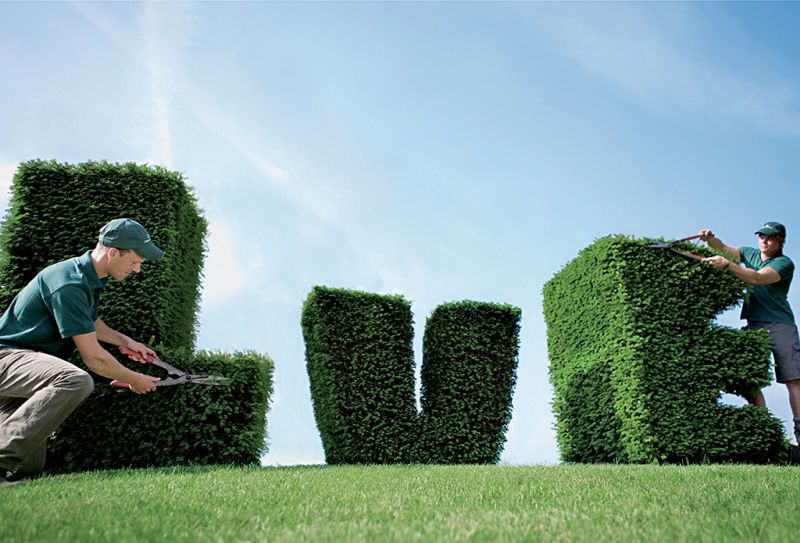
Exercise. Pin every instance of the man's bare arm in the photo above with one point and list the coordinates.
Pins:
(764, 276)
(717, 244)
(102, 363)
(106, 334)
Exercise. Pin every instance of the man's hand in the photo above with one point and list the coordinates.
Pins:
(705, 233)
(715, 243)
(107, 334)
(102, 363)
(143, 354)
(717, 262)
(142, 384)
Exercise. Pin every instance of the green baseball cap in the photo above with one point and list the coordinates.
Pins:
(772, 228)
(129, 234)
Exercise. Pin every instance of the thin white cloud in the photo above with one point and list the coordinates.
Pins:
(112, 29)
(277, 173)
(163, 33)
(230, 263)
(160, 72)
(390, 270)
(159, 56)
(7, 170)
(395, 274)
(302, 195)
(652, 60)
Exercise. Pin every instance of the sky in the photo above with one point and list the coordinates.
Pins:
(442, 151)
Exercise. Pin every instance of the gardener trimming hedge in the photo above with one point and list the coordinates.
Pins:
(638, 364)
(55, 210)
(53, 315)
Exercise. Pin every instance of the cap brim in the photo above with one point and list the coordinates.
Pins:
(149, 251)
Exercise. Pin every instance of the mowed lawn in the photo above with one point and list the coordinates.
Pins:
(409, 503)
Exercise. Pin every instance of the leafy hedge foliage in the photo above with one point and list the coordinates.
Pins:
(176, 425)
(56, 212)
(638, 364)
(360, 365)
(361, 368)
(468, 377)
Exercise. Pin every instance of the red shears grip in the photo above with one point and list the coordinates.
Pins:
(131, 354)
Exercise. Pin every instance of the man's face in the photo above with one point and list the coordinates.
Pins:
(123, 263)
(769, 245)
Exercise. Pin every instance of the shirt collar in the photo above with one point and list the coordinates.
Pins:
(86, 265)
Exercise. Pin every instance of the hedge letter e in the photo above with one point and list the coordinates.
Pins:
(638, 364)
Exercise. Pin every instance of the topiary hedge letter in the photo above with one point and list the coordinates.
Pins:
(638, 364)
(56, 213)
(361, 369)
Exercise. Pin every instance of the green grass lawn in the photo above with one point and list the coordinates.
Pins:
(409, 503)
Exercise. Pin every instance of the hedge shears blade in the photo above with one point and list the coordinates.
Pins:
(671, 247)
(174, 375)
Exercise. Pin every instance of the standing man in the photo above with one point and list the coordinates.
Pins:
(53, 315)
(770, 272)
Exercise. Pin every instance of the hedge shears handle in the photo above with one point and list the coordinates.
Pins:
(150, 359)
(136, 354)
(696, 236)
(129, 353)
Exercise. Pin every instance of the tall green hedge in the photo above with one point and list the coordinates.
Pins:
(638, 365)
(361, 369)
(56, 212)
(360, 364)
(468, 377)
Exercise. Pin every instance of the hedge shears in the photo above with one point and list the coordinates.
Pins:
(671, 247)
(174, 375)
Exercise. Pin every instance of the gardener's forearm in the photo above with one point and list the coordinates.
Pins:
(765, 276)
(106, 334)
(716, 243)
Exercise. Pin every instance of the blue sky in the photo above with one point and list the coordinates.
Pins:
(444, 151)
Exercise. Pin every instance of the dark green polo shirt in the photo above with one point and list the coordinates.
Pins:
(60, 302)
(768, 303)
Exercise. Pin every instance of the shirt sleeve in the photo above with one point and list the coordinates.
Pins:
(747, 256)
(69, 306)
(782, 265)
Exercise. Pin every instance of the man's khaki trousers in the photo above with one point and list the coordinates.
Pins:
(37, 393)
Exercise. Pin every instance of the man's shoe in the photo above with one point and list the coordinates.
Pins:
(7, 478)
(794, 455)
(6, 482)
